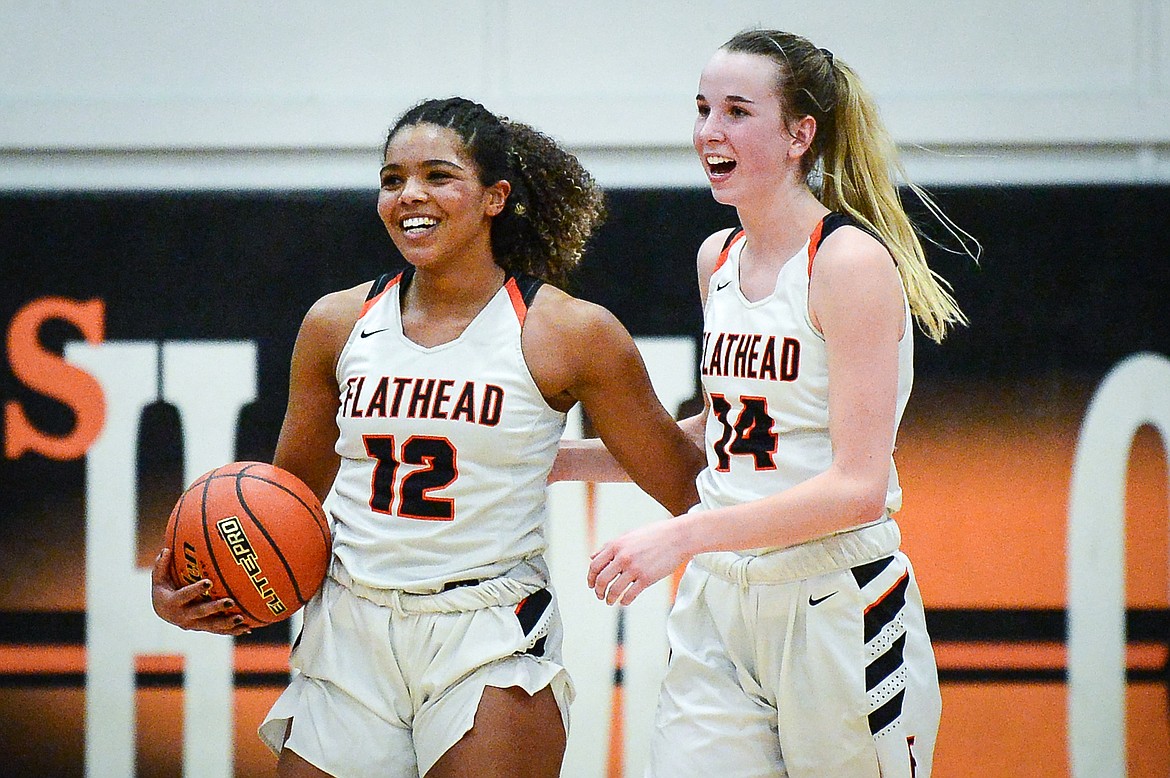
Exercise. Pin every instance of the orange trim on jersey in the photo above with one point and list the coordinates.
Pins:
(723, 254)
(886, 594)
(370, 303)
(518, 303)
(814, 242)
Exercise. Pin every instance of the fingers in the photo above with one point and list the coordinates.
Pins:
(160, 578)
(598, 562)
(218, 616)
(193, 593)
(189, 607)
(613, 580)
(223, 622)
(633, 591)
(162, 563)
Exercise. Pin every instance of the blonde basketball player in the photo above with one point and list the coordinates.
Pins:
(426, 408)
(798, 640)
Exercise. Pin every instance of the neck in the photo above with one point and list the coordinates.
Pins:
(440, 291)
(777, 226)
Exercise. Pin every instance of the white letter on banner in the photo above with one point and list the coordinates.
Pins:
(120, 622)
(1136, 392)
(209, 383)
(590, 650)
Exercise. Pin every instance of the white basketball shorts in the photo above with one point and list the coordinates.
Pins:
(384, 682)
(808, 661)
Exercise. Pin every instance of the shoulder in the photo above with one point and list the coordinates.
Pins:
(708, 258)
(852, 275)
(851, 249)
(571, 344)
(558, 315)
(338, 307)
(711, 249)
(330, 319)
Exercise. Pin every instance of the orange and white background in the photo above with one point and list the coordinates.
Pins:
(178, 183)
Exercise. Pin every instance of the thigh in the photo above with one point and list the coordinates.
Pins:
(483, 653)
(515, 735)
(290, 765)
(712, 718)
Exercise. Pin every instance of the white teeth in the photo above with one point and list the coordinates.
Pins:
(715, 159)
(418, 222)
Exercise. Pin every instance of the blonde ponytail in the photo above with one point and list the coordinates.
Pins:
(859, 166)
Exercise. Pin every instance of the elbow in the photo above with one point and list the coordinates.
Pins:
(870, 509)
(689, 497)
(863, 499)
(696, 462)
(869, 504)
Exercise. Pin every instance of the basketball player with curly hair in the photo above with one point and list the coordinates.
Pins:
(426, 409)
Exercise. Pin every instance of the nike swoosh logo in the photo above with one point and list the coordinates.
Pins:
(818, 600)
(368, 333)
(722, 285)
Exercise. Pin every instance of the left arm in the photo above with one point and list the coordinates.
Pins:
(855, 298)
(588, 459)
(580, 352)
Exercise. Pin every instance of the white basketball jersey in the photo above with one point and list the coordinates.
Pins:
(765, 373)
(445, 451)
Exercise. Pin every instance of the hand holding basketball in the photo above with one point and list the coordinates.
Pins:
(257, 534)
(189, 607)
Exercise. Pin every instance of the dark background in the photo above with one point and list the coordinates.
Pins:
(1071, 280)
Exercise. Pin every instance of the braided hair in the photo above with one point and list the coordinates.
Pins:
(554, 205)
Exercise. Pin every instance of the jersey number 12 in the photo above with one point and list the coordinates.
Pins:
(437, 458)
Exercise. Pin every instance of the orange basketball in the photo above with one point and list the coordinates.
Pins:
(257, 533)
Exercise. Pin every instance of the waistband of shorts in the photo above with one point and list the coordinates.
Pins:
(838, 551)
(510, 588)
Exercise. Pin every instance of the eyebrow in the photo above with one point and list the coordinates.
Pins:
(426, 163)
(730, 98)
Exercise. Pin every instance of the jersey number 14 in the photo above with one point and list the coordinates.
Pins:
(752, 434)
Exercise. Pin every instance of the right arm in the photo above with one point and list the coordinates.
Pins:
(309, 431)
(304, 448)
(587, 459)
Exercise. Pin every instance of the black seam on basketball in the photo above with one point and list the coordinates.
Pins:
(213, 559)
(318, 516)
(170, 541)
(231, 592)
(288, 571)
(301, 598)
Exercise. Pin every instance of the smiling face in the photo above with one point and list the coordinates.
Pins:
(431, 199)
(740, 132)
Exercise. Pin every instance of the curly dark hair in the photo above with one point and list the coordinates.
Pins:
(554, 206)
